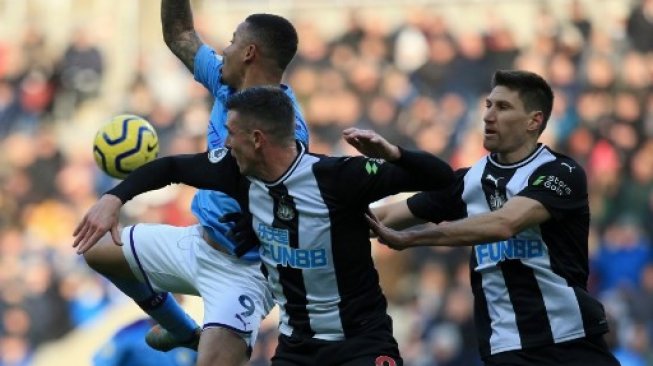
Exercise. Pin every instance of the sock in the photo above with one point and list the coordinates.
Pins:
(162, 307)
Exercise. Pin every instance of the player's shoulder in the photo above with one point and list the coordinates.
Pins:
(348, 160)
(563, 165)
(350, 165)
(562, 175)
(461, 172)
(288, 90)
(323, 161)
(209, 52)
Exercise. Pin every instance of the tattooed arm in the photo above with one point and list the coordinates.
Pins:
(179, 32)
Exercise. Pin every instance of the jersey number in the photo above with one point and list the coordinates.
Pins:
(248, 304)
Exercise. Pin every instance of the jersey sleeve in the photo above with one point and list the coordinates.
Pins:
(441, 205)
(215, 170)
(301, 129)
(208, 72)
(561, 186)
(364, 180)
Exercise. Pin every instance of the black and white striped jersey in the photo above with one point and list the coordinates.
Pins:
(315, 245)
(529, 290)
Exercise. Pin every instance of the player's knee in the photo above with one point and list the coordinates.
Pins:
(106, 258)
(95, 260)
(231, 352)
(220, 356)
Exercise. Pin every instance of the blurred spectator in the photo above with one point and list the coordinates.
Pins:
(15, 351)
(580, 20)
(642, 301)
(79, 73)
(632, 349)
(501, 47)
(623, 255)
(13, 117)
(640, 26)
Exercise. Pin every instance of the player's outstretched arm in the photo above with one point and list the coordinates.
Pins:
(396, 215)
(179, 32)
(395, 239)
(407, 171)
(99, 219)
(518, 214)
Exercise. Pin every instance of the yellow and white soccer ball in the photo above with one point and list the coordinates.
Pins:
(125, 143)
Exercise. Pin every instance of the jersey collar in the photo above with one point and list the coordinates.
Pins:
(492, 158)
(301, 151)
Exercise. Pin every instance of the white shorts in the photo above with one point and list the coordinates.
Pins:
(177, 259)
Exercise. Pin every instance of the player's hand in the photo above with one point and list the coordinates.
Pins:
(371, 215)
(99, 219)
(394, 239)
(370, 143)
(242, 233)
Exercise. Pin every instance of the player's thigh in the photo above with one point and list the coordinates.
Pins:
(221, 347)
(108, 258)
(163, 256)
(234, 292)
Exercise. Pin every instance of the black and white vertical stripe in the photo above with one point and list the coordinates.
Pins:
(315, 244)
(519, 302)
(309, 291)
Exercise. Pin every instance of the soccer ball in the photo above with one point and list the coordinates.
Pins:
(123, 144)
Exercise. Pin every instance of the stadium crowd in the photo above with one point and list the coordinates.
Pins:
(419, 84)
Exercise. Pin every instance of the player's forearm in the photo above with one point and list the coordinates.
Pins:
(151, 176)
(188, 169)
(466, 232)
(179, 31)
(395, 215)
(176, 18)
(427, 171)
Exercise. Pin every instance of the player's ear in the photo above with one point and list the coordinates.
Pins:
(536, 121)
(258, 138)
(250, 53)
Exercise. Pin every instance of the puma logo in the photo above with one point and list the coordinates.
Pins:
(494, 180)
(245, 324)
(570, 167)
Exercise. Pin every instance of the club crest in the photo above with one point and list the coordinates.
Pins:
(218, 154)
(285, 212)
(497, 200)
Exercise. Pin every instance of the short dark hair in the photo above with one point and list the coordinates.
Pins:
(276, 35)
(533, 90)
(267, 108)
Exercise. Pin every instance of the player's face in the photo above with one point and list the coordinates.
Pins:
(241, 143)
(233, 58)
(507, 124)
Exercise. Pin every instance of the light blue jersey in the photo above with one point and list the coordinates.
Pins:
(209, 206)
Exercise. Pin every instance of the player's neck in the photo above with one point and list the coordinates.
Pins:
(258, 77)
(276, 161)
(517, 155)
